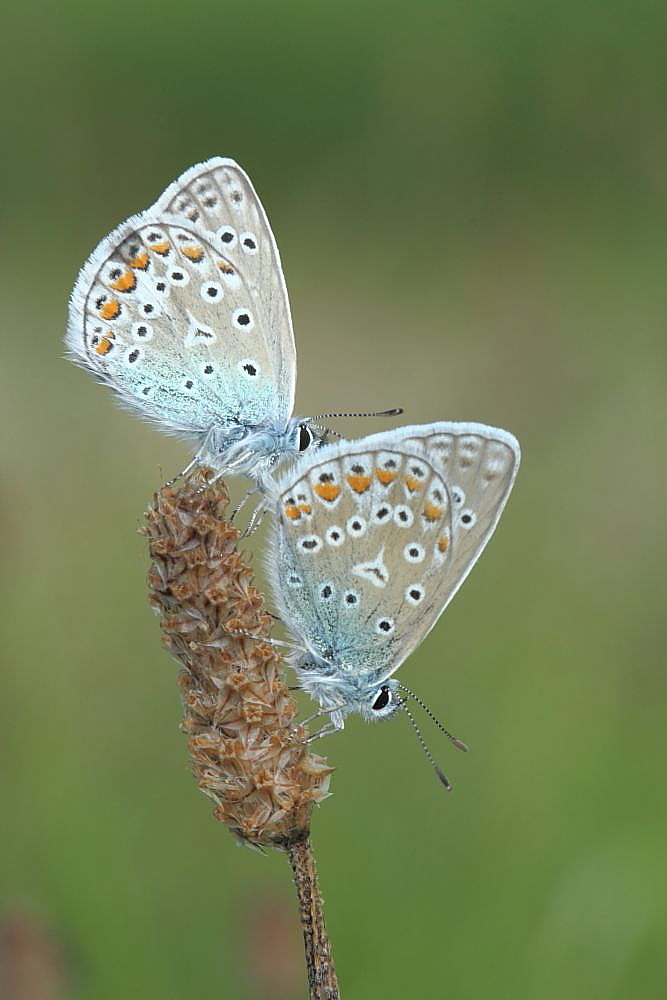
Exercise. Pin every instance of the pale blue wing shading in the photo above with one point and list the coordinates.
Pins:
(374, 537)
(166, 320)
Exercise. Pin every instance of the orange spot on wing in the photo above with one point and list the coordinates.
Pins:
(161, 248)
(359, 483)
(225, 267)
(292, 512)
(193, 253)
(126, 283)
(385, 476)
(305, 508)
(327, 491)
(443, 543)
(140, 261)
(432, 512)
(413, 484)
(110, 310)
(105, 345)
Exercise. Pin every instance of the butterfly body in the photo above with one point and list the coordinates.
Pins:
(339, 689)
(372, 539)
(183, 312)
(252, 450)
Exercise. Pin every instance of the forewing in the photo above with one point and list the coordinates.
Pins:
(375, 521)
(167, 320)
(218, 196)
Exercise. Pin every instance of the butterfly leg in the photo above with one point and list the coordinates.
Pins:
(255, 519)
(242, 502)
(205, 458)
(328, 729)
(334, 725)
(199, 459)
(311, 718)
(269, 640)
(181, 475)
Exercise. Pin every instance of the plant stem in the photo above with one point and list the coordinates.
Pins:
(322, 981)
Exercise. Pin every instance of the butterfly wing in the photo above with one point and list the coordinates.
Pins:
(374, 537)
(479, 465)
(217, 195)
(178, 322)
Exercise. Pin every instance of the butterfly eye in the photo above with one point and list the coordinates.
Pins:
(382, 700)
(305, 437)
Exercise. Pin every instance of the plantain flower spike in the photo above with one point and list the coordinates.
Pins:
(247, 755)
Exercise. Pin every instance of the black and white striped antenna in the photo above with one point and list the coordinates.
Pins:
(442, 777)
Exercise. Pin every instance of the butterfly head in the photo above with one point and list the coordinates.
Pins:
(340, 691)
(382, 703)
(302, 435)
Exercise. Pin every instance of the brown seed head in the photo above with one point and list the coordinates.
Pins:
(238, 714)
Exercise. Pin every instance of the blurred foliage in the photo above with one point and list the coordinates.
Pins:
(470, 204)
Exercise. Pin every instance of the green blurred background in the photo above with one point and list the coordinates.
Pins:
(470, 205)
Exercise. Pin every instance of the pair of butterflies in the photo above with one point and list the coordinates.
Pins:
(183, 312)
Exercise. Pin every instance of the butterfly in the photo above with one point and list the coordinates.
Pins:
(183, 311)
(370, 541)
